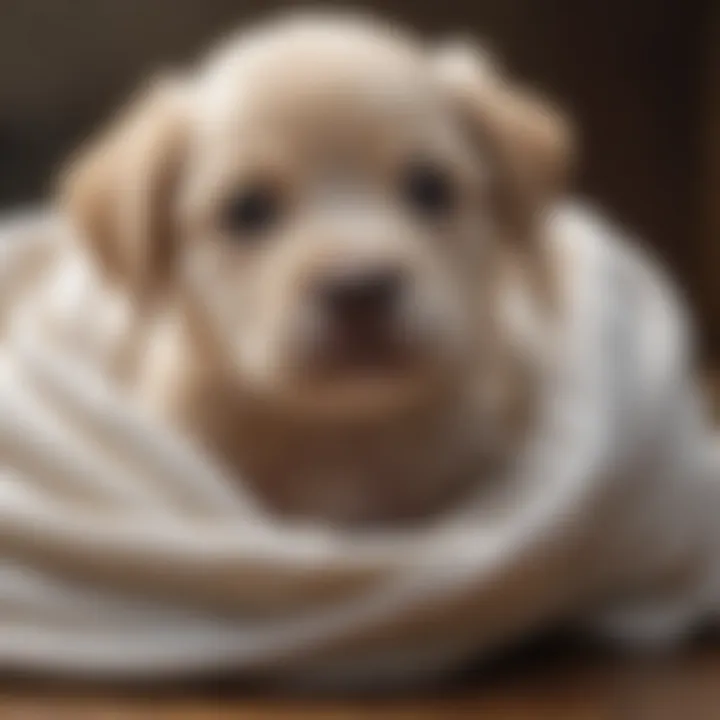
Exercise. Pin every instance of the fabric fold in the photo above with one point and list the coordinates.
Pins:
(126, 552)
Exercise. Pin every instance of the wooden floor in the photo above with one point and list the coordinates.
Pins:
(562, 686)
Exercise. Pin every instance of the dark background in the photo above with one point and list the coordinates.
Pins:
(638, 76)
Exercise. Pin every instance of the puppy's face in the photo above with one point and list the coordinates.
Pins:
(321, 199)
(330, 211)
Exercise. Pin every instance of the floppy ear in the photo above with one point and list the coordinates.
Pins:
(527, 139)
(119, 191)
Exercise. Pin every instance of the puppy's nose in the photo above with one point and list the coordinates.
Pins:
(361, 293)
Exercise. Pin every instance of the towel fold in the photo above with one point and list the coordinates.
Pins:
(125, 552)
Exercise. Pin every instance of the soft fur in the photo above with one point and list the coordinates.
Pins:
(328, 113)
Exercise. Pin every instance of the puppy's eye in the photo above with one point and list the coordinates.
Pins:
(428, 189)
(251, 211)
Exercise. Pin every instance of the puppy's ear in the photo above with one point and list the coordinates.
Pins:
(118, 192)
(528, 141)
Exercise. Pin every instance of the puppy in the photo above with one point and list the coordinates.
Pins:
(333, 238)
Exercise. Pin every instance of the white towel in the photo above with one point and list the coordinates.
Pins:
(124, 553)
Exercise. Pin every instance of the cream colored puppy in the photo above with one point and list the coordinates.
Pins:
(325, 229)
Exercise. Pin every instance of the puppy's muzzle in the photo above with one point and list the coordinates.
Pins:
(365, 296)
(361, 306)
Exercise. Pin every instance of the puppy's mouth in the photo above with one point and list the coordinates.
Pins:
(359, 371)
(361, 333)
(364, 355)
(364, 352)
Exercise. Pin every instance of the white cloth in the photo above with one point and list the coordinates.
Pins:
(124, 553)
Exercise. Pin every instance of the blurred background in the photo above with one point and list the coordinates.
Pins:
(640, 77)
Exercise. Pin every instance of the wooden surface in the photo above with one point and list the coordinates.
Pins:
(684, 687)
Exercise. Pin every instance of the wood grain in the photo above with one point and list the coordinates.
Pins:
(550, 685)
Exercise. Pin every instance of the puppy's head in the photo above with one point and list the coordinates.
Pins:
(335, 202)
